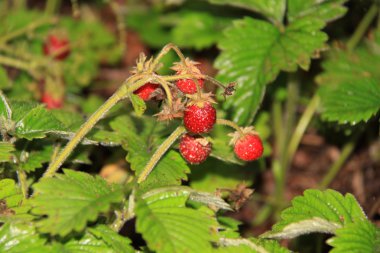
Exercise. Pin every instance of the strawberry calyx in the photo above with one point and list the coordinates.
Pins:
(201, 100)
(240, 135)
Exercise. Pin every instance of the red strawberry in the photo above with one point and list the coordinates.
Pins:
(200, 115)
(56, 47)
(188, 85)
(195, 150)
(51, 102)
(247, 147)
(146, 90)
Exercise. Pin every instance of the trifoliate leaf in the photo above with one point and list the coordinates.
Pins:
(316, 211)
(168, 226)
(352, 101)
(252, 245)
(6, 150)
(72, 199)
(17, 238)
(169, 170)
(263, 50)
(361, 236)
(36, 123)
(326, 10)
(273, 9)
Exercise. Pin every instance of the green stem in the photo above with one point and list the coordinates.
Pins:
(160, 152)
(300, 129)
(32, 26)
(22, 180)
(291, 106)
(337, 165)
(85, 128)
(163, 52)
(19, 65)
(230, 124)
(362, 27)
(165, 86)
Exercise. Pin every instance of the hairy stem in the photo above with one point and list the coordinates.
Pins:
(22, 180)
(300, 129)
(164, 51)
(160, 152)
(230, 124)
(32, 26)
(85, 128)
(15, 63)
(362, 27)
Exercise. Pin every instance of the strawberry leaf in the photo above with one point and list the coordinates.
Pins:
(273, 9)
(71, 199)
(169, 226)
(262, 52)
(362, 236)
(317, 211)
(250, 245)
(350, 84)
(326, 10)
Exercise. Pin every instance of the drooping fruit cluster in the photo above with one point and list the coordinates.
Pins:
(188, 101)
(247, 144)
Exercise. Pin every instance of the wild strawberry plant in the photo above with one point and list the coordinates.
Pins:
(49, 203)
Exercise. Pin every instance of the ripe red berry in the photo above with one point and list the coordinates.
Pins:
(51, 102)
(57, 47)
(199, 118)
(145, 91)
(249, 147)
(193, 149)
(189, 86)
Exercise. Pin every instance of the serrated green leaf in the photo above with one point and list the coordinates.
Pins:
(263, 50)
(351, 101)
(350, 85)
(170, 169)
(138, 104)
(16, 238)
(317, 211)
(273, 9)
(36, 123)
(250, 245)
(6, 150)
(355, 237)
(326, 10)
(167, 225)
(115, 241)
(72, 199)
(206, 26)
